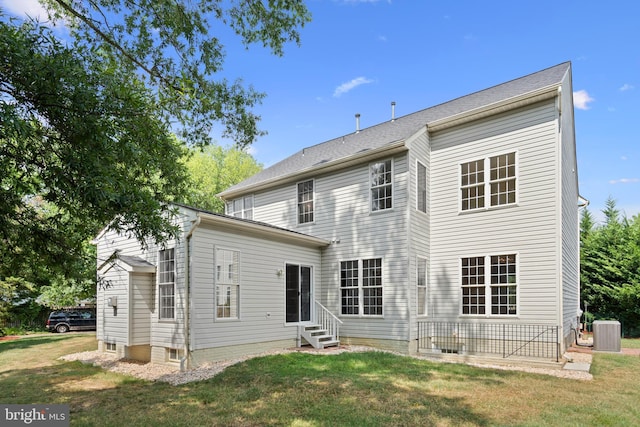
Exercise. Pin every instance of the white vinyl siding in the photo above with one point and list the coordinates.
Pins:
(142, 302)
(163, 333)
(261, 264)
(112, 323)
(570, 274)
(528, 228)
(418, 236)
(345, 217)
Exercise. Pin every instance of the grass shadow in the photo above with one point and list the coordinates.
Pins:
(30, 341)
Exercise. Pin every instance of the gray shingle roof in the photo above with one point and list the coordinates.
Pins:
(243, 220)
(386, 133)
(134, 261)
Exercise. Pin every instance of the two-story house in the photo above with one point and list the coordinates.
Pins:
(449, 230)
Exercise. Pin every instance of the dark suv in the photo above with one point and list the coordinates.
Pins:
(71, 320)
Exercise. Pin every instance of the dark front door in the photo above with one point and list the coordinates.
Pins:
(298, 293)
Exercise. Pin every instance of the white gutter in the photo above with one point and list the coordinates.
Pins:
(547, 92)
(231, 223)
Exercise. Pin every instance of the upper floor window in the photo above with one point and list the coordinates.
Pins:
(305, 202)
(421, 187)
(166, 283)
(499, 183)
(227, 283)
(241, 207)
(492, 290)
(361, 287)
(381, 185)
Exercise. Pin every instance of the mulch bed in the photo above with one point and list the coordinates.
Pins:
(9, 338)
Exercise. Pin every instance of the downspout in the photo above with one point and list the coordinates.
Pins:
(560, 219)
(187, 282)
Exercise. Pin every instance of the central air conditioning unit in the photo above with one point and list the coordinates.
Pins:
(606, 335)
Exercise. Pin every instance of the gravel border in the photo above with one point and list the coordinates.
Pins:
(173, 375)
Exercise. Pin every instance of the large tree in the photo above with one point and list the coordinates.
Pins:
(88, 126)
(214, 169)
(177, 48)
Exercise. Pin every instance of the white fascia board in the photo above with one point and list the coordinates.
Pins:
(257, 229)
(547, 92)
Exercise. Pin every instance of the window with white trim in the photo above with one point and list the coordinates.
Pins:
(422, 285)
(361, 287)
(504, 285)
(241, 207)
(499, 183)
(421, 187)
(499, 281)
(174, 354)
(227, 283)
(473, 285)
(381, 181)
(166, 283)
(305, 202)
(502, 179)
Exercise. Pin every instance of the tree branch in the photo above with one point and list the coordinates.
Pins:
(110, 41)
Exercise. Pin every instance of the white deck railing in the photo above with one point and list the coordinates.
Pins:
(327, 320)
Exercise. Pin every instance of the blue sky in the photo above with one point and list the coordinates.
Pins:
(357, 56)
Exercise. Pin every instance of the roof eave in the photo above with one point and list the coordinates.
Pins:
(391, 148)
(232, 223)
(518, 101)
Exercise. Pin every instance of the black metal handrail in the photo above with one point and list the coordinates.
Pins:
(506, 339)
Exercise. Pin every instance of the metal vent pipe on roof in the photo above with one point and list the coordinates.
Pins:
(393, 110)
(357, 122)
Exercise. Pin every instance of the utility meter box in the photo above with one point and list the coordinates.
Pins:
(606, 335)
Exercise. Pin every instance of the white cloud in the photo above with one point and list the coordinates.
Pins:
(346, 87)
(581, 98)
(382, 38)
(624, 181)
(625, 87)
(624, 158)
(22, 8)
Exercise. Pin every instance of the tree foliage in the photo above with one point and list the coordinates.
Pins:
(17, 299)
(610, 267)
(177, 49)
(80, 145)
(214, 169)
(88, 126)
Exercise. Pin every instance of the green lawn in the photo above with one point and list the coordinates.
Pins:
(631, 342)
(300, 389)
